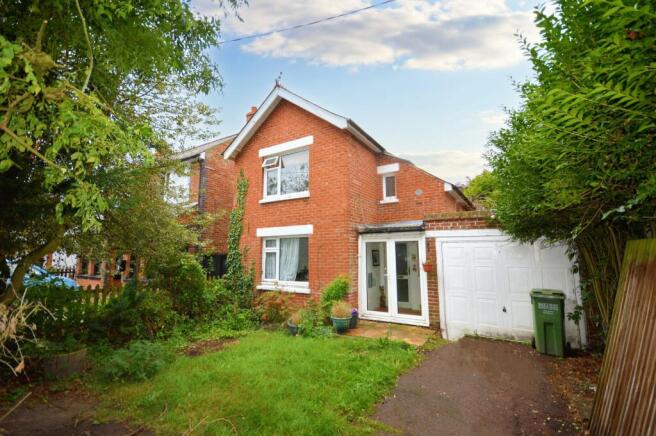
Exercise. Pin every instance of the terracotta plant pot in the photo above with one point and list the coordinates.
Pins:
(428, 267)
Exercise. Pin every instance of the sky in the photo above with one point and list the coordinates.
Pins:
(429, 80)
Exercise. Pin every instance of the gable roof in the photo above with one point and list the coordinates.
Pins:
(194, 152)
(280, 93)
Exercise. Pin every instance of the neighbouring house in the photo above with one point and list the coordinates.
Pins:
(325, 199)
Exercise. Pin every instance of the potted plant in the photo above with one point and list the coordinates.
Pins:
(293, 323)
(354, 318)
(428, 265)
(340, 315)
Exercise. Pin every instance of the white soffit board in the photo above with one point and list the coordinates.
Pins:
(270, 104)
(265, 232)
(388, 169)
(286, 146)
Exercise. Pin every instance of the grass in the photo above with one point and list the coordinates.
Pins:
(267, 383)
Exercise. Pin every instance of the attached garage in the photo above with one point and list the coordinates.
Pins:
(484, 280)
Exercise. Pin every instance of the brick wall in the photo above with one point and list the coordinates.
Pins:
(345, 191)
(219, 185)
(326, 208)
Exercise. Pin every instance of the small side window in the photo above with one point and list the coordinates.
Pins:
(390, 186)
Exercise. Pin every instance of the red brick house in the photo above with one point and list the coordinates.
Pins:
(326, 199)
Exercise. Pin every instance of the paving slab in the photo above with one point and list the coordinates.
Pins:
(412, 335)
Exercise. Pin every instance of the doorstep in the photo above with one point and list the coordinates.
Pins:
(412, 335)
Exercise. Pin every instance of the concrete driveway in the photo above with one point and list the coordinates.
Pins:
(477, 387)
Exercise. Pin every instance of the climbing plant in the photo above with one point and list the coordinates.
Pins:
(239, 280)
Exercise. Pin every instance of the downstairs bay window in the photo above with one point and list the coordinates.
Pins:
(285, 263)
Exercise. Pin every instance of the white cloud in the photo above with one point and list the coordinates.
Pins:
(415, 34)
(451, 165)
(493, 118)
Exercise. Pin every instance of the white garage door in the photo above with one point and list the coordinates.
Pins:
(485, 280)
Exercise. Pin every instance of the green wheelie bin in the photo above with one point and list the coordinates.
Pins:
(549, 321)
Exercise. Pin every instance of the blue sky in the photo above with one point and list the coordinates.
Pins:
(428, 80)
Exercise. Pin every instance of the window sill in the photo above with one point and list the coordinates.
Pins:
(284, 287)
(389, 200)
(293, 196)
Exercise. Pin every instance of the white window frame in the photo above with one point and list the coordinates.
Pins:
(385, 171)
(276, 233)
(278, 168)
(392, 198)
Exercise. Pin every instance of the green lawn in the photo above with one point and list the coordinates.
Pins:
(267, 383)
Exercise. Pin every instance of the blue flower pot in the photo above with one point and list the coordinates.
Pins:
(292, 328)
(341, 324)
(354, 322)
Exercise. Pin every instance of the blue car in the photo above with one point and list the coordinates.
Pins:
(37, 275)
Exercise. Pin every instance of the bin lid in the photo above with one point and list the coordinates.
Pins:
(547, 293)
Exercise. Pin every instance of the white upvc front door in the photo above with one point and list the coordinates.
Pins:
(392, 283)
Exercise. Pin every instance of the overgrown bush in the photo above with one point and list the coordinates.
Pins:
(64, 317)
(335, 291)
(138, 362)
(234, 318)
(272, 307)
(312, 322)
(184, 278)
(137, 314)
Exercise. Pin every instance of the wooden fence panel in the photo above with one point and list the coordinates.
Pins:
(625, 403)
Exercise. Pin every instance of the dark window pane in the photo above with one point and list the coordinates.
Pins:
(390, 186)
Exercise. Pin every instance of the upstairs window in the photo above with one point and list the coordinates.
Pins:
(287, 175)
(388, 175)
(179, 184)
(389, 188)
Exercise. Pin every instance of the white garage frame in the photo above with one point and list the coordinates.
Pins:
(488, 235)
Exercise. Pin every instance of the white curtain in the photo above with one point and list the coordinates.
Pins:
(288, 259)
(270, 266)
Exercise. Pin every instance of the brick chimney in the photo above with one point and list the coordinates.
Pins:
(250, 114)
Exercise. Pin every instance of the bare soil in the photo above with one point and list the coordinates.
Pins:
(68, 412)
(207, 346)
(479, 387)
(575, 379)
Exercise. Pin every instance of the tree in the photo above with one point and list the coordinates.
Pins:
(86, 93)
(577, 162)
(481, 190)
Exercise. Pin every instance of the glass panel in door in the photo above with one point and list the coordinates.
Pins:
(377, 294)
(408, 289)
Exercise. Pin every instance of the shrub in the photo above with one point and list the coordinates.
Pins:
(64, 316)
(184, 278)
(335, 291)
(217, 294)
(234, 318)
(311, 323)
(138, 362)
(272, 307)
(137, 314)
(341, 309)
(296, 317)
